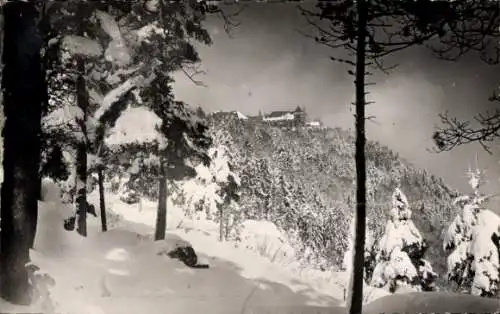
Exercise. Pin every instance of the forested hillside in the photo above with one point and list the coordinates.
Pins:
(303, 181)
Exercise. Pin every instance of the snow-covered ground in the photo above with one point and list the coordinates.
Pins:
(124, 271)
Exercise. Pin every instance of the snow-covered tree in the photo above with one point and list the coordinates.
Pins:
(186, 140)
(473, 240)
(117, 53)
(399, 262)
(158, 146)
(228, 211)
(90, 77)
(214, 192)
(165, 38)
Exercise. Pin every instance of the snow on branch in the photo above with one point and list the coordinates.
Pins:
(78, 45)
(152, 6)
(109, 25)
(135, 125)
(144, 33)
(117, 76)
(94, 96)
(63, 116)
(115, 94)
(117, 51)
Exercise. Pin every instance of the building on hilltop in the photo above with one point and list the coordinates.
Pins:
(314, 124)
(282, 119)
(286, 118)
(230, 114)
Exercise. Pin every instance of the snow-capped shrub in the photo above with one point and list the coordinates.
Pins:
(266, 239)
(472, 238)
(399, 263)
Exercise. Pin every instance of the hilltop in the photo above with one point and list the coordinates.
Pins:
(302, 179)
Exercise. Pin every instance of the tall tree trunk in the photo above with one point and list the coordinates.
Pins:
(82, 101)
(102, 202)
(355, 300)
(161, 215)
(22, 82)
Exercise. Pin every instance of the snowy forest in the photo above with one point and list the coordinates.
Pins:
(118, 196)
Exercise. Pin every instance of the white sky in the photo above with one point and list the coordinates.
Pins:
(267, 65)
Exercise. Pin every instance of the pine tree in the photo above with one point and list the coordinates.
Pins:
(170, 42)
(110, 62)
(399, 259)
(473, 264)
(214, 192)
(87, 92)
(228, 184)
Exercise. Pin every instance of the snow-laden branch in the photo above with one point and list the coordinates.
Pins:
(66, 115)
(81, 46)
(94, 96)
(112, 98)
(115, 94)
(135, 125)
(117, 51)
(117, 76)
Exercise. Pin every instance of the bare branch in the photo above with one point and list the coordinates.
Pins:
(341, 60)
(229, 19)
(392, 27)
(474, 29)
(191, 71)
(379, 64)
(454, 132)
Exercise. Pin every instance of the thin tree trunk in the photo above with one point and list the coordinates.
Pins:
(75, 190)
(22, 82)
(102, 202)
(221, 224)
(355, 299)
(81, 193)
(81, 152)
(226, 230)
(161, 215)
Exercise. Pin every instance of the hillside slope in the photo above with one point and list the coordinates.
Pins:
(303, 181)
